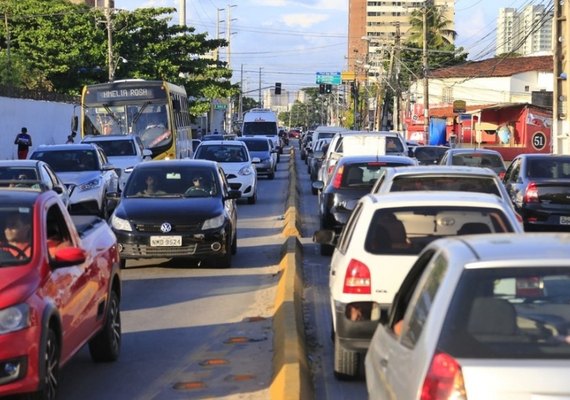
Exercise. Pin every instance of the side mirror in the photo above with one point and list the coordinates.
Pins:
(147, 154)
(233, 194)
(319, 185)
(108, 167)
(68, 256)
(325, 236)
(58, 189)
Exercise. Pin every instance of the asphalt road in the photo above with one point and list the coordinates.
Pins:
(191, 332)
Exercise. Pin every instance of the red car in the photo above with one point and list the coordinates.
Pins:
(59, 289)
(294, 134)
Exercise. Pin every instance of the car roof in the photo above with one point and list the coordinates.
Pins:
(105, 138)
(222, 142)
(441, 170)
(378, 158)
(20, 163)
(544, 155)
(67, 147)
(516, 250)
(253, 138)
(176, 163)
(472, 150)
(433, 198)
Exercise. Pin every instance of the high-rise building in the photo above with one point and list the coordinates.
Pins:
(374, 25)
(95, 3)
(524, 32)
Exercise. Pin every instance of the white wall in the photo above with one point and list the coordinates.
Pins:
(47, 122)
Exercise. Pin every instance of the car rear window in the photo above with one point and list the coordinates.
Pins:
(257, 145)
(117, 148)
(480, 184)
(364, 174)
(478, 160)
(222, 153)
(548, 168)
(509, 313)
(409, 230)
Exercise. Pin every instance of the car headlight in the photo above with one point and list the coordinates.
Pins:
(214, 223)
(120, 224)
(247, 170)
(92, 184)
(14, 318)
(128, 170)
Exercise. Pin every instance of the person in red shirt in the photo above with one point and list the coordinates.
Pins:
(24, 142)
(17, 232)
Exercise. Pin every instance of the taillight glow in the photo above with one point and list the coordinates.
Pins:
(338, 177)
(502, 174)
(531, 193)
(357, 278)
(530, 287)
(444, 379)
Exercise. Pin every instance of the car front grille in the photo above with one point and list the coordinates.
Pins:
(143, 250)
(231, 176)
(179, 228)
(235, 186)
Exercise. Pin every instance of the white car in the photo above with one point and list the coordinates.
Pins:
(123, 151)
(236, 162)
(85, 171)
(483, 317)
(377, 247)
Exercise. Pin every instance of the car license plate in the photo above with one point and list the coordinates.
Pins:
(564, 220)
(166, 241)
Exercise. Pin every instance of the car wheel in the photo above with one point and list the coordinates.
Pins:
(49, 367)
(308, 169)
(123, 263)
(106, 345)
(278, 157)
(271, 175)
(314, 191)
(303, 156)
(326, 249)
(345, 361)
(252, 199)
(104, 212)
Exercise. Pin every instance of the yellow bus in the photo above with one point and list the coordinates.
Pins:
(156, 111)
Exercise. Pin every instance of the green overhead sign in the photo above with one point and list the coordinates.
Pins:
(330, 78)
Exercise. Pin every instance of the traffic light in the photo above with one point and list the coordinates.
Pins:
(322, 88)
(328, 89)
(278, 88)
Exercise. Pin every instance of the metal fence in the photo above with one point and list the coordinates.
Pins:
(38, 94)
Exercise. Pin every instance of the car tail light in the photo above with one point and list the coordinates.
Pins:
(357, 278)
(502, 174)
(531, 193)
(519, 217)
(330, 170)
(530, 287)
(337, 179)
(444, 379)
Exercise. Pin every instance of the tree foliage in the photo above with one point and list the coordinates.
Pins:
(64, 46)
(438, 31)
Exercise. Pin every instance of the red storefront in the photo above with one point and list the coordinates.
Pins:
(511, 129)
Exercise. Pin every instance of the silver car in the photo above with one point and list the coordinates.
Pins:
(478, 317)
(85, 171)
(123, 151)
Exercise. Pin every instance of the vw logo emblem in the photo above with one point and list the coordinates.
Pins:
(165, 227)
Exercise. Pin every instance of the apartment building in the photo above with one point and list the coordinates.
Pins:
(375, 25)
(95, 3)
(524, 32)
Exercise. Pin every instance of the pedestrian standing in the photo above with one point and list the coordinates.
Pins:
(24, 141)
(69, 139)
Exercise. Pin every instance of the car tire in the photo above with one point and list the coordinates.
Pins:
(106, 345)
(252, 199)
(123, 263)
(314, 191)
(303, 156)
(271, 175)
(104, 211)
(49, 369)
(326, 249)
(345, 361)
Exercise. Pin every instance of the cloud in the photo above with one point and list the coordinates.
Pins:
(303, 20)
(340, 5)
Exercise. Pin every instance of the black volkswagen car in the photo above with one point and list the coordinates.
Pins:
(352, 178)
(177, 209)
(539, 187)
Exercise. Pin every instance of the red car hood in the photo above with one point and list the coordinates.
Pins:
(16, 284)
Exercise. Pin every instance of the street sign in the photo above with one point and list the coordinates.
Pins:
(331, 78)
(348, 75)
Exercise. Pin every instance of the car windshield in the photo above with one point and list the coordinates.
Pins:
(409, 230)
(18, 177)
(222, 153)
(68, 161)
(16, 235)
(509, 313)
(172, 182)
(117, 148)
(481, 184)
(257, 145)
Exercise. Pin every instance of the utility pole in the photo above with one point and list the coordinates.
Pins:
(8, 57)
(560, 134)
(182, 13)
(396, 81)
(426, 70)
(109, 24)
(218, 20)
(260, 104)
(241, 93)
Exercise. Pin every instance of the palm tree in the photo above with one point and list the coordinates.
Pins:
(438, 32)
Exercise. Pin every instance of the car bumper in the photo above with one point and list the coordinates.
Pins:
(19, 353)
(244, 183)
(194, 245)
(556, 219)
(264, 168)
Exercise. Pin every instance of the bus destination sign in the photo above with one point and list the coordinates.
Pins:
(107, 96)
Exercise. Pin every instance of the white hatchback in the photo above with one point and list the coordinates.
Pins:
(378, 246)
(236, 162)
(482, 317)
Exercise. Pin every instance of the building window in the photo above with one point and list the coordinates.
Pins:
(447, 95)
(527, 88)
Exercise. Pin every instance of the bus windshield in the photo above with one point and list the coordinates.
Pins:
(148, 121)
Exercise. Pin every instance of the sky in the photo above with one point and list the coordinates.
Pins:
(289, 41)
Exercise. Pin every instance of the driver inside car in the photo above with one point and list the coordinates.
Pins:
(17, 234)
(199, 185)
